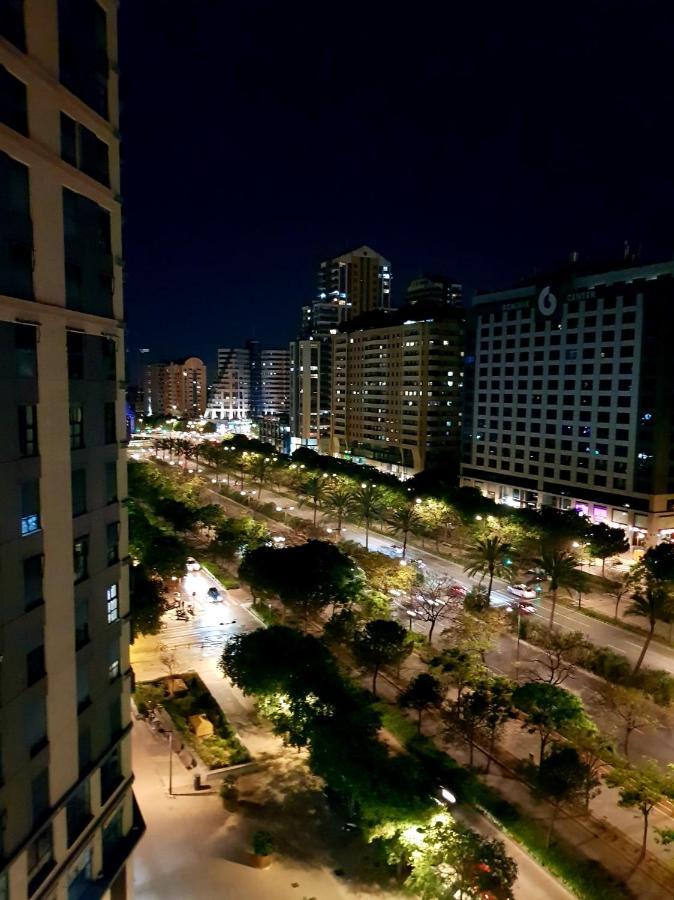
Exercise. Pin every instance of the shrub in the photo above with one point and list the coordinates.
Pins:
(147, 697)
(607, 664)
(263, 843)
(656, 682)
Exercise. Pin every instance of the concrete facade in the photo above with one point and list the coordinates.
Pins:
(68, 815)
(175, 388)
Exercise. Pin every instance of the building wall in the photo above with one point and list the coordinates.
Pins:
(275, 382)
(230, 394)
(61, 330)
(396, 394)
(307, 423)
(175, 388)
(571, 404)
(359, 280)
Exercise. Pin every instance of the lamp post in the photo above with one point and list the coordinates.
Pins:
(170, 744)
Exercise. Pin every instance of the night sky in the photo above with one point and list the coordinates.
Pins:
(481, 142)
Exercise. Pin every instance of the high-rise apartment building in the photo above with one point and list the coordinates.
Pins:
(67, 812)
(396, 392)
(230, 395)
(347, 286)
(435, 289)
(275, 382)
(571, 400)
(175, 388)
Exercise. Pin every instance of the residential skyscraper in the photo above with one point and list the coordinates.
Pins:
(359, 281)
(69, 820)
(435, 289)
(175, 388)
(569, 396)
(275, 381)
(396, 391)
(230, 395)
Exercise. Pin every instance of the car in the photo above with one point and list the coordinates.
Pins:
(523, 591)
(523, 607)
(192, 565)
(457, 590)
(536, 574)
(214, 594)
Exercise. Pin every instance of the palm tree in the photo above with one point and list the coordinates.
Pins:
(315, 488)
(258, 469)
(560, 568)
(404, 519)
(653, 601)
(339, 499)
(183, 448)
(368, 502)
(487, 558)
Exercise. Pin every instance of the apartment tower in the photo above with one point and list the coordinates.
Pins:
(67, 813)
(175, 388)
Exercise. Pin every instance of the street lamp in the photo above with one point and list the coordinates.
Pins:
(447, 796)
(411, 615)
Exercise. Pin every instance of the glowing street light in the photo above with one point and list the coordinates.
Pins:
(447, 796)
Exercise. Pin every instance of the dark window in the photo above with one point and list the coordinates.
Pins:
(83, 54)
(112, 542)
(81, 623)
(110, 482)
(75, 355)
(79, 491)
(28, 430)
(32, 582)
(12, 25)
(30, 507)
(35, 714)
(81, 558)
(40, 859)
(78, 811)
(35, 669)
(76, 426)
(13, 103)
(25, 351)
(108, 354)
(83, 695)
(88, 259)
(16, 230)
(109, 423)
(82, 149)
(115, 718)
(84, 750)
(111, 774)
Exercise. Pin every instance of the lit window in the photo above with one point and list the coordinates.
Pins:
(112, 600)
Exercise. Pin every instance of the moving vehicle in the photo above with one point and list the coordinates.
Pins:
(457, 590)
(214, 595)
(523, 591)
(525, 608)
(191, 564)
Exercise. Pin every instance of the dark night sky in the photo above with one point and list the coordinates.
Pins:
(480, 142)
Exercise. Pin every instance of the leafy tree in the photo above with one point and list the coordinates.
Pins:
(470, 715)
(239, 535)
(438, 518)
(561, 650)
(381, 571)
(147, 602)
(560, 568)
(459, 669)
(432, 602)
(341, 627)
(422, 693)
(653, 597)
(477, 633)
(498, 693)
(632, 709)
(548, 709)
(595, 751)
(315, 487)
(487, 557)
(641, 787)
(404, 519)
(338, 499)
(368, 503)
(562, 776)
(620, 587)
(381, 642)
(605, 541)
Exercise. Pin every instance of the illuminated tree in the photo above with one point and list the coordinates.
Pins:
(431, 602)
(605, 541)
(404, 519)
(548, 709)
(381, 642)
(654, 577)
(642, 788)
(560, 568)
(560, 650)
(422, 693)
(561, 778)
(368, 503)
(315, 488)
(632, 709)
(339, 499)
(487, 557)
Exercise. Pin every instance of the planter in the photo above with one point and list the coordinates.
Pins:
(258, 861)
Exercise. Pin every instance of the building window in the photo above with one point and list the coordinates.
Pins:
(109, 357)
(111, 482)
(81, 623)
(83, 150)
(83, 695)
(40, 859)
(83, 53)
(32, 582)
(75, 340)
(28, 430)
(78, 486)
(113, 660)
(111, 775)
(109, 423)
(76, 426)
(30, 507)
(13, 103)
(12, 25)
(84, 750)
(112, 600)
(78, 811)
(16, 230)
(88, 259)
(81, 558)
(112, 542)
(25, 351)
(35, 669)
(36, 731)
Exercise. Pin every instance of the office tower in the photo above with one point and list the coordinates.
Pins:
(229, 397)
(275, 381)
(309, 416)
(571, 396)
(255, 377)
(175, 388)
(69, 820)
(396, 392)
(359, 281)
(434, 289)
